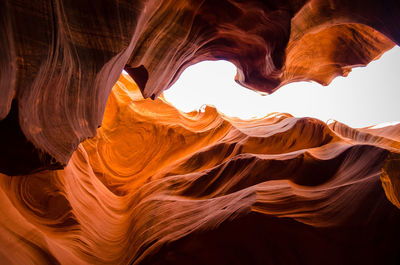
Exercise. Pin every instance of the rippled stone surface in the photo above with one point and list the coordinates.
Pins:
(158, 186)
(60, 59)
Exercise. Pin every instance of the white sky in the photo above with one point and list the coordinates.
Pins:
(368, 96)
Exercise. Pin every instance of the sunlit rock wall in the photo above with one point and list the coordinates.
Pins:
(60, 59)
(139, 182)
(158, 186)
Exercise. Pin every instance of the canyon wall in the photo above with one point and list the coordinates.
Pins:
(60, 59)
(158, 186)
(98, 168)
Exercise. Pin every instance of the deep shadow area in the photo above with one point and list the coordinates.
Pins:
(259, 239)
(19, 156)
(140, 75)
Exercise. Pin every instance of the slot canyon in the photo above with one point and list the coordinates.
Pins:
(97, 167)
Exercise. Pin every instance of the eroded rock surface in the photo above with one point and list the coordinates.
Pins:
(60, 59)
(158, 186)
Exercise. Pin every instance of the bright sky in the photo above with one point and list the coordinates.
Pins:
(368, 96)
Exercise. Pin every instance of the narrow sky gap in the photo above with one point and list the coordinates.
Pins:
(368, 96)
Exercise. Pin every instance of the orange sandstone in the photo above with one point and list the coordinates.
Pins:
(158, 186)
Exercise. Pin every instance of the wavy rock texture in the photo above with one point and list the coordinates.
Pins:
(60, 59)
(158, 186)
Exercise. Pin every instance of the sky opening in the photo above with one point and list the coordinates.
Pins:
(367, 96)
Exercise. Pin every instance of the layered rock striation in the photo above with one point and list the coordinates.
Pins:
(158, 186)
(60, 59)
(98, 168)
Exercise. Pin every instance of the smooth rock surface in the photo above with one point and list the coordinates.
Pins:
(158, 186)
(60, 59)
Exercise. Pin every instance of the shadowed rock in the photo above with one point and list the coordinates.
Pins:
(60, 59)
(158, 186)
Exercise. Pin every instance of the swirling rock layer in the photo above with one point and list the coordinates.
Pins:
(60, 59)
(157, 186)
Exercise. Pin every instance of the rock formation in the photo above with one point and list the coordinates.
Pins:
(97, 168)
(60, 59)
(158, 186)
